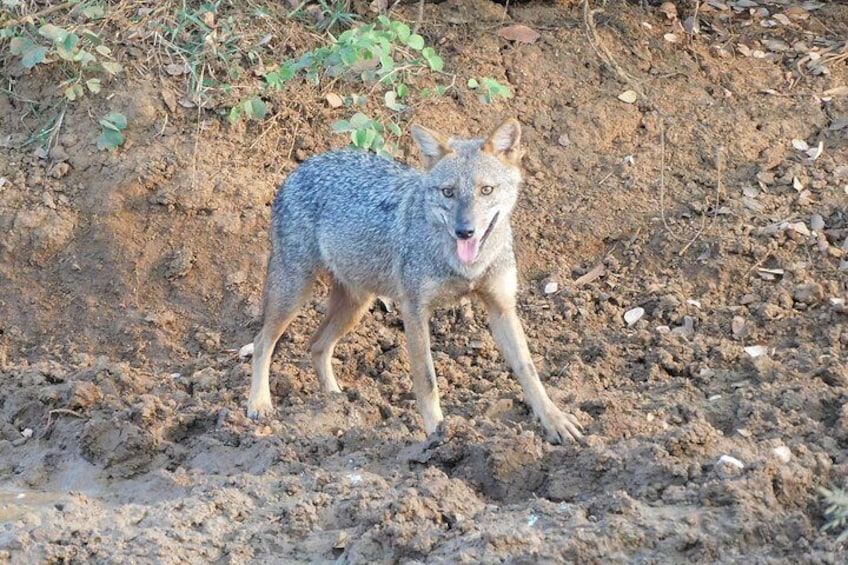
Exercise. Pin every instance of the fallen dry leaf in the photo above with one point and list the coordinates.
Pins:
(596, 272)
(334, 100)
(519, 33)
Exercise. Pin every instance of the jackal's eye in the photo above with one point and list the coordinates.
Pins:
(447, 192)
(486, 190)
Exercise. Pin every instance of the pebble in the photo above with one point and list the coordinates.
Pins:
(783, 453)
(739, 327)
(808, 293)
(633, 315)
(246, 351)
(756, 350)
(687, 330)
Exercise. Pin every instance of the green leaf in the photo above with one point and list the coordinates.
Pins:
(110, 139)
(93, 85)
(67, 46)
(30, 53)
(340, 126)
(387, 63)
(394, 128)
(84, 58)
(472, 83)
(416, 42)
(358, 137)
(256, 109)
(390, 99)
(402, 90)
(440, 90)
(111, 67)
(114, 120)
(103, 50)
(236, 114)
(74, 92)
(436, 63)
(94, 12)
(53, 33)
(359, 121)
(402, 31)
(370, 137)
(20, 45)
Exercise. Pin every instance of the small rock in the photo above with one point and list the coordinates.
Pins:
(633, 315)
(756, 350)
(766, 177)
(180, 264)
(59, 170)
(808, 293)
(564, 140)
(205, 379)
(817, 222)
(728, 465)
(747, 299)
(551, 287)
(669, 9)
(27, 433)
(783, 453)
(687, 330)
(739, 327)
(246, 351)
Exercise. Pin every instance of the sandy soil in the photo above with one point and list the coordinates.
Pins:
(129, 280)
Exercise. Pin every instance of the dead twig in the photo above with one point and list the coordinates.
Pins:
(708, 223)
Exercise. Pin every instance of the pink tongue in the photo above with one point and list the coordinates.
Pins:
(467, 250)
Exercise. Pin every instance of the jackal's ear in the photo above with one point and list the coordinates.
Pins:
(505, 141)
(431, 144)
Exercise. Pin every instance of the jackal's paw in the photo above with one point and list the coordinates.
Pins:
(561, 426)
(259, 408)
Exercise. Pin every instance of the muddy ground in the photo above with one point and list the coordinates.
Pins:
(129, 280)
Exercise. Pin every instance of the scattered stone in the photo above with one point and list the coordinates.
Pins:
(687, 330)
(633, 315)
(783, 453)
(808, 293)
(739, 327)
(747, 299)
(756, 350)
(246, 351)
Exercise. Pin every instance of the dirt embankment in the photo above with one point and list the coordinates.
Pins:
(128, 280)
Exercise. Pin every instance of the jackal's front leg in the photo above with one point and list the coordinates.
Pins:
(417, 328)
(499, 298)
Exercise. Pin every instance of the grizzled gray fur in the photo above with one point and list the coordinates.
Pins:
(421, 238)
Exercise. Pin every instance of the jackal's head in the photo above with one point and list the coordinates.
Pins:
(472, 185)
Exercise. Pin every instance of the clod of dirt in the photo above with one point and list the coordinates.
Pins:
(519, 33)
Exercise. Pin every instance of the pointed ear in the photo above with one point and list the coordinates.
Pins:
(431, 144)
(505, 141)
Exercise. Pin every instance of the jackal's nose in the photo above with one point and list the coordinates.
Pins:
(464, 232)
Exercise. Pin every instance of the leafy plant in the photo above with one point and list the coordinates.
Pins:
(250, 109)
(114, 123)
(488, 89)
(81, 53)
(367, 134)
(386, 56)
(837, 511)
(326, 15)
